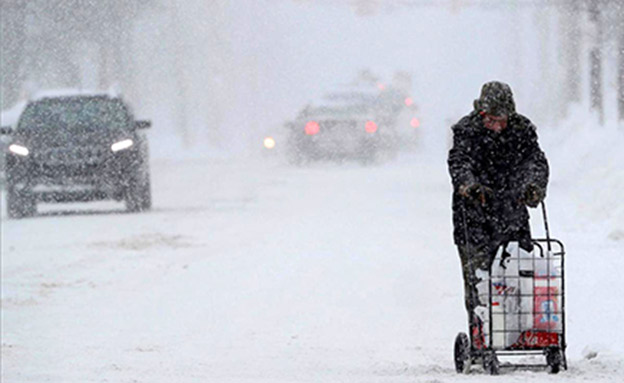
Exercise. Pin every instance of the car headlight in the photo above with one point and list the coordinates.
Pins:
(269, 143)
(121, 145)
(19, 150)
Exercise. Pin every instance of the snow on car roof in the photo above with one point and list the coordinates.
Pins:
(355, 111)
(69, 92)
(9, 117)
(351, 97)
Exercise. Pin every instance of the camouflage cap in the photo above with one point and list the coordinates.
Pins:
(496, 99)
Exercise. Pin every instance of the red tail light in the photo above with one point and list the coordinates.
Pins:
(312, 128)
(370, 127)
(409, 101)
(415, 123)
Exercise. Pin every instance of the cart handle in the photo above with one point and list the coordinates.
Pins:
(546, 226)
(544, 214)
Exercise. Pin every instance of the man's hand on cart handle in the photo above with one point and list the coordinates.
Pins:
(533, 195)
(477, 193)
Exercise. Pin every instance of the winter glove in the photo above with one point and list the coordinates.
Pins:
(533, 195)
(477, 193)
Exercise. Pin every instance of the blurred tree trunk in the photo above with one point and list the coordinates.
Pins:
(571, 20)
(127, 70)
(595, 60)
(621, 70)
(105, 71)
(516, 47)
(179, 75)
(546, 103)
(113, 71)
(365, 7)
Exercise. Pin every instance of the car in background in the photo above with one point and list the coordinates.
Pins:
(76, 148)
(401, 110)
(362, 123)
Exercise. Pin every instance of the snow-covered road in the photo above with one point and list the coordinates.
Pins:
(256, 271)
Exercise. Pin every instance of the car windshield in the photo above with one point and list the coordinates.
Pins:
(350, 98)
(77, 113)
(338, 111)
(343, 104)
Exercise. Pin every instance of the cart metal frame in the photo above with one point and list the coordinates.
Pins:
(549, 342)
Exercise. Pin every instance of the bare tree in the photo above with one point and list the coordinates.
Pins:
(41, 39)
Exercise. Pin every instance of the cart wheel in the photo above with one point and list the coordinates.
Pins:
(462, 353)
(554, 359)
(491, 364)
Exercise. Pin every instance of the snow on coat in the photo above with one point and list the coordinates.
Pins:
(506, 162)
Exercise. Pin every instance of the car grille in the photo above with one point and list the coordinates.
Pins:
(51, 171)
(59, 156)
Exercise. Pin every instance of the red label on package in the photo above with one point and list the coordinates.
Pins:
(546, 305)
(532, 339)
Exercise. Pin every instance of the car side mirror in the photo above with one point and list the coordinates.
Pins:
(142, 124)
(6, 130)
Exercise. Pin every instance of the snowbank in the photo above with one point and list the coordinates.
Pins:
(586, 160)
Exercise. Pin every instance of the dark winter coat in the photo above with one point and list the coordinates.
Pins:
(506, 162)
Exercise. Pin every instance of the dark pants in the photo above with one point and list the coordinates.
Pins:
(472, 259)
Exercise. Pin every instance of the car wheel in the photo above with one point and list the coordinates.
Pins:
(491, 365)
(369, 157)
(554, 359)
(461, 354)
(20, 205)
(139, 194)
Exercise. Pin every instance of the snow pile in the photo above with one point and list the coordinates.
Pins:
(587, 214)
(586, 161)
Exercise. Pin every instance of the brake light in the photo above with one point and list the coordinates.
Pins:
(312, 128)
(409, 101)
(415, 123)
(370, 127)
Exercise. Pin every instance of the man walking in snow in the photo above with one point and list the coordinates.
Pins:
(497, 169)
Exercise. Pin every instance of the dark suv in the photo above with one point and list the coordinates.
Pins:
(76, 148)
